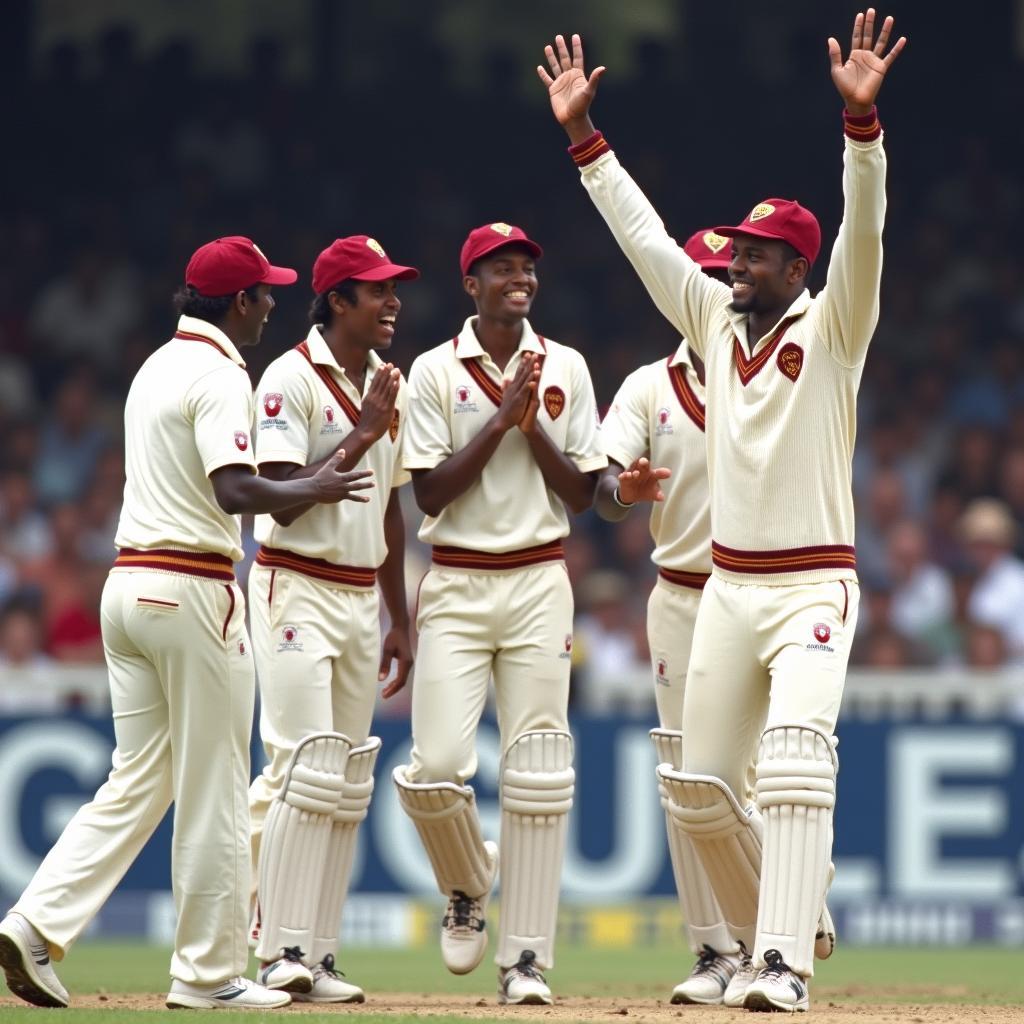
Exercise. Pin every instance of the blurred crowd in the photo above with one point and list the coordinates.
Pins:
(154, 157)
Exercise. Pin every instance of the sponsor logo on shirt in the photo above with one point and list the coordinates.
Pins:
(463, 399)
(822, 634)
(664, 424)
(272, 403)
(331, 424)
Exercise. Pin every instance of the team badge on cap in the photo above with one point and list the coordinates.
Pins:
(554, 401)
(372, 243)
(761, 211)
(716, 243)
(502, 228)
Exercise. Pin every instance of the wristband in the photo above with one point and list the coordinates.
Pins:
(862, 127)
(617, 498)
(587, 151)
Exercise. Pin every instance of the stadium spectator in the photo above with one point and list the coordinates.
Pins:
(922, 597)
(997, 596)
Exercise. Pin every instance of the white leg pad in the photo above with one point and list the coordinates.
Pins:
(796, 791)
(296, 835)
(726, 838)
(356, 792)
(446, 819)
(537, 782)
(705, 923)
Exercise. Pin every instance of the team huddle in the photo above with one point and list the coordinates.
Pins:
(740, 442)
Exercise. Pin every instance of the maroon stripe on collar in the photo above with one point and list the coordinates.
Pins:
(692, 405)
(349, 407)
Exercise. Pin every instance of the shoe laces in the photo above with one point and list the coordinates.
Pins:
(775, 966)
(293, 954)
(525, 966)
(326, 968)
(710, 962)
(746, 965)
(463, 912)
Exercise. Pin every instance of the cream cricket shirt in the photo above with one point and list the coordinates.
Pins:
(780, 415)
(305, 408)
(454, 390)
(659, 413)
(188, 412)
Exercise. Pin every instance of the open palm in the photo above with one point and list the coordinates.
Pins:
(859, 78)
(570, 90)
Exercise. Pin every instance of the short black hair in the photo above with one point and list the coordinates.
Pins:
(189, 302)
(320, 311)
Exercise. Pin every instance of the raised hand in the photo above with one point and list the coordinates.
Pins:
(331, 485)
(570, 90)
(860, 77)
(642, 482)
(378, 406)
(517, 392)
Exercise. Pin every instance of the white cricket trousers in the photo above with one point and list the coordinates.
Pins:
(182, 688)
(516, 624)
(763, 656)
(323, 679)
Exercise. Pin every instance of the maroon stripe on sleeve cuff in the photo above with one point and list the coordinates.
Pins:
(862, 127)
(587, 151)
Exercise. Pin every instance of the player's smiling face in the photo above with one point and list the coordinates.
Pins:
(504, 284)
(762, 276)
(372, 320)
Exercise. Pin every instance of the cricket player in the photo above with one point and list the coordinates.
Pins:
(502, 439)
(773, 632)
(316, 615)
(654, 438)
(182, 684)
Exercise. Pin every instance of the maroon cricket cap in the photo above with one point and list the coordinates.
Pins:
(709, 249)
(357, 258)
(485, 239)
(784, 219)
(227, 265)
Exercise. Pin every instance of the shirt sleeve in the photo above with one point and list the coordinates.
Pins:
(220, 407)
(689, 299)
(428, 436)
(625, 430)
(847, 307)
(582, 441)
(400, 474)
(283, 415)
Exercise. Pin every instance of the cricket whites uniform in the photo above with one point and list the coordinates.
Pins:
(181, 672)
(659, 413)
(497, 599)
(313, 595)
(775, 624)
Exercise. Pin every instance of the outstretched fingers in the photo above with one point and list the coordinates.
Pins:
(577, 51)
(869, 29)
(883, 37)
(857, 39)
(897, 48)
(564, 60)
(549, 52)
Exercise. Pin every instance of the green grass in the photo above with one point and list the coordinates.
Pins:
(977, 975)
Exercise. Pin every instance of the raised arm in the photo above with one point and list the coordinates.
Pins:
(687, 298)
(848, 305)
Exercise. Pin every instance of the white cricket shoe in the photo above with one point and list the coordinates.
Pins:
(708, 980)
(746, 972)
(233, 994)
(286, 974)
(464, 925)
(328, 986)
(776, 987)
(825, 937)
(523, 983)
(25, 959)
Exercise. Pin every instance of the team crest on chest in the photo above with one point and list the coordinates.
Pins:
(330, 424)
(664, 421)
(554, 401)
(464, 399)
(790, 360)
